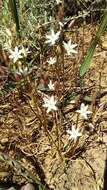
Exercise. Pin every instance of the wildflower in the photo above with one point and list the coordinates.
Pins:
(70, 47)
(23, 71)
(52, 61)
(58, 2)
(51, 85)
(25, 51)
(16, 54)
(50, 103)
(52, 38)
(74, 133)
(83, 111)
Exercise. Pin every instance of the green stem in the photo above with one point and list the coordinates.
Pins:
(15, 15)
(86, 62)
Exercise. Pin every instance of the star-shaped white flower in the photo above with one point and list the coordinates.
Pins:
(22, 71)
(74, 133)
(50, 103)
(51, 85)
(58, 2)
(16, 54)
(70, 47)
(52, 38)
(25, 51)
(83, 111)
(52, 61)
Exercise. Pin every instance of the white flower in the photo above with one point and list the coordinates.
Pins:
(23, 71)
(74, 133)
(16, 54)
(83, 111)
(52, 38)
(70, 47)
(58, 2)
(25, 51)
(52, 61)
(50, 103)
(51, 85)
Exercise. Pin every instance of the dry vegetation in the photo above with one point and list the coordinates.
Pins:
(34, 144)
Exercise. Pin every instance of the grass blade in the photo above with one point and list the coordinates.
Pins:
(15, 15)
(86, 62)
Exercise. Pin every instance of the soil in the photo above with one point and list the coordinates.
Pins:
(22, 140)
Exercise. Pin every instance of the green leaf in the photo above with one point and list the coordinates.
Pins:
(9, 87)
(41, 188)
(87, 98)
(86, 62)
(15, 15)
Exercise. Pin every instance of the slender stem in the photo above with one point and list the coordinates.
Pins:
(58, 132)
